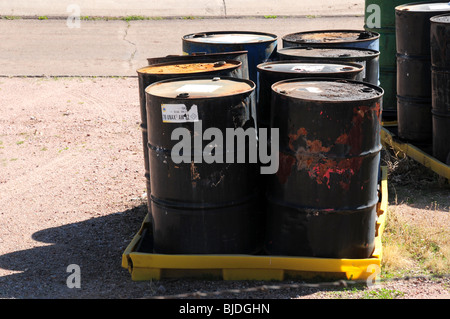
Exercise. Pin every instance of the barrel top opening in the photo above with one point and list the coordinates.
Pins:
(425, 7)
(323, 52)
(305, 67)
(200, 88)
(188, 67)
(327, 90)
(331, 36)
(230, 37)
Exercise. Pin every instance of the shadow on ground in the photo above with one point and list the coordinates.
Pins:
(415, 185)
(96, 245)
(420, 193)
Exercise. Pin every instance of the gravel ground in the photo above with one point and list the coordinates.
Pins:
(72, 191)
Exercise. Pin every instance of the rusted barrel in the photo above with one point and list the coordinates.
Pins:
(271, 72)
(322, 201)
(200, 206)
(332, 38)
(366, 57)
(414, 70)
(167, 70)
(241, 56)
(440, 82)
(261, 46)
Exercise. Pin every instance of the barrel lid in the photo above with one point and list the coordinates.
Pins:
(178, 67)
(331, 36)
(305, 67)
(324, 52)
(425, 7)
(199, 57)
(230, 37)
(200, 88)
(444, 18)
(327, 89)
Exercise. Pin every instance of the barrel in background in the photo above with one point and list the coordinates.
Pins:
(440, 79)
(240, 56)
(271, 72)
(261, 47)
(199, 207)
(366, 57)
(388, 50)
(414, 70)
(332, 38)
(160, 71)
(322, 202)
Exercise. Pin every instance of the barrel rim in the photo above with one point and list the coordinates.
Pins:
(313, 79)
(376, 35)
(272, 200)
(439, 69)
(236, 64)
(436, 112)
(399, 8)
(196, 78)
(359, 67)
(185, 207)
(188, 37)
(433, 19)
(375, 54)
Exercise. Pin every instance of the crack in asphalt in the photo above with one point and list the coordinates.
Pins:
(132, 43)
(224, 8)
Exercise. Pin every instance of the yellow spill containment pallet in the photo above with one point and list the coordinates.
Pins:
(149, 266)
(389, 139)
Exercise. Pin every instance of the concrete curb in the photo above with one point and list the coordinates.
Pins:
(138, 18)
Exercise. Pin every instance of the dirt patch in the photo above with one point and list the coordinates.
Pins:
(72, 191)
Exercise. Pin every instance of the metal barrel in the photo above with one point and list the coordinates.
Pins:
(261, 47)
(380, 17)
(240, 56)
(414, 70)
(167, 70)
(199, 205)
(322, 201)
(271, 72)
(440, 82)
(332, 38)
(366, 57)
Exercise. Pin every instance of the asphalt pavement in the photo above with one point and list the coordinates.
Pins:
(115, 38)
(33, 47)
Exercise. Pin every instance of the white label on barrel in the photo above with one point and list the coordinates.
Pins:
(198, 88)
(178, 113)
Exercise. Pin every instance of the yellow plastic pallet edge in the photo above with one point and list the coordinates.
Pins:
(147, 266)
(387, 138)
